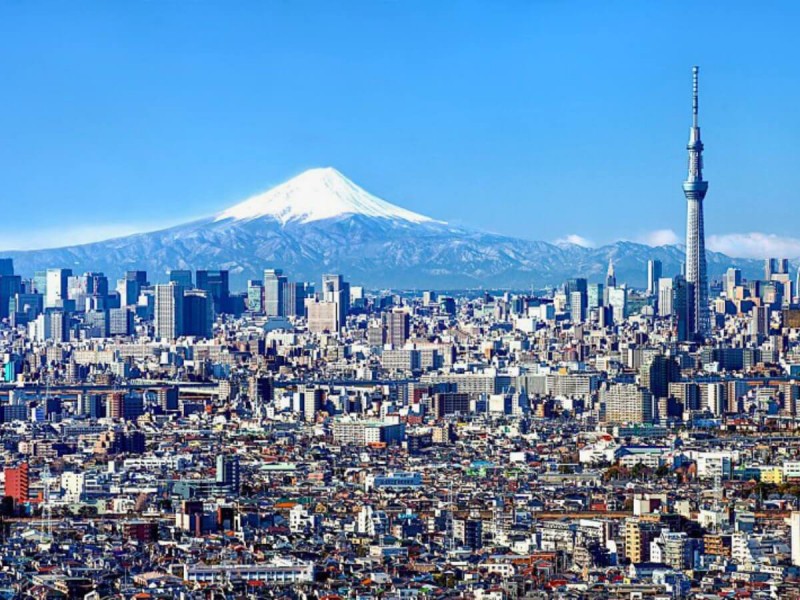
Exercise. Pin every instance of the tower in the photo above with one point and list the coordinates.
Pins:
(611, 278)
(695, 188)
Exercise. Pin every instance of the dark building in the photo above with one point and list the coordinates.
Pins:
(10, 286)
(216, 283)
(450, 403)
(198, 313)
(228, 474)
(139, 277)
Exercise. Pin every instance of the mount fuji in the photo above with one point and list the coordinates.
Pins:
(321, 222)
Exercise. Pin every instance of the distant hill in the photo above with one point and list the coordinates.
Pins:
(321, 222)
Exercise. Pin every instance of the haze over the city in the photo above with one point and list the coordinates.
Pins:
(533, 120)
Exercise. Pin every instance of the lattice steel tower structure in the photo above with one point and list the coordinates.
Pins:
(695, 188)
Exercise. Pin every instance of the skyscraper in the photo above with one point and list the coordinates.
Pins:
(228, 472)
(198, 313)
(665, 297)
(168, 311)
(255, 296)
(275, 283)
(577, 308)
(336, 289)
(683, 309)
(733, 279)
(594, 295)
(396, 324)
(216, 283)
(57, 287)
(611, 278)
(653, 275)
(577, 304)
(183, 277)
(695, 188)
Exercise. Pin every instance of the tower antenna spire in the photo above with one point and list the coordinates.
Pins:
(695, 76)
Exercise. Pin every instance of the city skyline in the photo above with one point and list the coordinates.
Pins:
(418, 366)
(515, 138)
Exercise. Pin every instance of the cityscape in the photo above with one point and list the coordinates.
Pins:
(316, 394)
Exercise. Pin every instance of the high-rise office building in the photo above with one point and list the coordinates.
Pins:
(198, 313)
(336, 289)
(396, 326)
(255, 296)
(215, 282)
(653, 277)
(683, 312)
(657, 373)
(52, 324)
(794, 522)
(57, 286)
(618, 301)
(665, 297)
(24, 308)
(88, 291)
(40, 282)
(322, 316)
(169, 311)
(775, 266)
(594, 295)
(733, 279)
(139, 277)
(10, 286)
(310, 399)
(228, 473)
(6, 267)
(577, 285)
(611, 277)
(290, 291)
(759, 321)
(695, 188)
(275, 284)
(183, 277)
(577, 308)
(120, 321)
(128, 290)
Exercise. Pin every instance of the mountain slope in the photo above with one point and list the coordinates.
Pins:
(316, 195)
(322, 222)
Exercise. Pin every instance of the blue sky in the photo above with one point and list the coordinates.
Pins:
(542, 120)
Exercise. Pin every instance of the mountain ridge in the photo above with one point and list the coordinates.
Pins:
(321, 222)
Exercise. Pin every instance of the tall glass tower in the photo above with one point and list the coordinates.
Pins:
(695, 188)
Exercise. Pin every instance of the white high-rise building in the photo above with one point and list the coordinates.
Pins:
(665, 297)
(275, 284)
(794, 520)
(168, 311)
(57, 286)
(618, 301)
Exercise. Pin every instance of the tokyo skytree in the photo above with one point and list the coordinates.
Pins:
(695, 188)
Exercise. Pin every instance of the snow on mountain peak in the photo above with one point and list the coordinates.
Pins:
(315, 195)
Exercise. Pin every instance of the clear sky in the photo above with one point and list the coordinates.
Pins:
(540, 119)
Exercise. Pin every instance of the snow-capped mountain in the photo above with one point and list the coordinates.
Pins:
(317, 195)
(321, 222)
